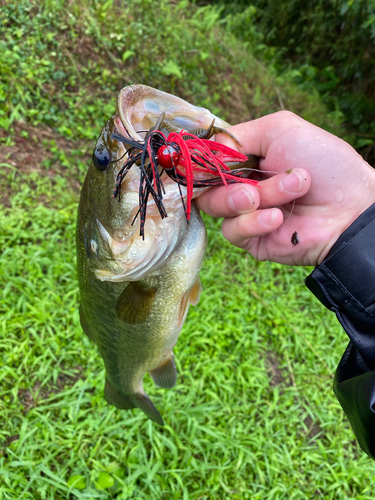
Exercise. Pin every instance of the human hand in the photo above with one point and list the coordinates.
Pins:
(330, 183)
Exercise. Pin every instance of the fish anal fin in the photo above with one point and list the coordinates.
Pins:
(145, 404)
(84, 324)
(116, 398)
(192, 297)
(135, 303)
(165, 376)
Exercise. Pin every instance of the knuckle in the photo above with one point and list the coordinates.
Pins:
(288, 117)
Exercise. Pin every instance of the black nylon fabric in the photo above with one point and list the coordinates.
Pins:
(345, 284)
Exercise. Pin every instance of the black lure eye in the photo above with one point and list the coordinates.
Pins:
(101, 157)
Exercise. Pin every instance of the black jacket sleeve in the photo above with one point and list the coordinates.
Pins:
(345, 283)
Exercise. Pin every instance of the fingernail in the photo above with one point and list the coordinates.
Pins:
(241, 200)
(292, 183)
(268, 217)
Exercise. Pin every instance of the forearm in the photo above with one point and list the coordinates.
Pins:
(345, 284)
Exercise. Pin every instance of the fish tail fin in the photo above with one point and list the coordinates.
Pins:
(117, 398)
(129, 401)
(144, 403)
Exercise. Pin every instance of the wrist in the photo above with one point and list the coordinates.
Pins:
(348, 218)
(348, 232)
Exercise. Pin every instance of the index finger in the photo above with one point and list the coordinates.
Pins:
(257, 135)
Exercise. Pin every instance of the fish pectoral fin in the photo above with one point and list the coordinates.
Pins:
(145, 404)
(84, 324)
(165, 376)
(135, 303)
(116, 398)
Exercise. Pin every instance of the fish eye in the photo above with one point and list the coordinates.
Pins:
(101, 157)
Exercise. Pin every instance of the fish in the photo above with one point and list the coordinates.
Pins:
(135, 292)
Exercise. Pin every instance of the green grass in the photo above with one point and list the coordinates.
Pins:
(253, 415)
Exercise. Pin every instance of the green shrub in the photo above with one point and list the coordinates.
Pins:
(324, 45)
(62, 64)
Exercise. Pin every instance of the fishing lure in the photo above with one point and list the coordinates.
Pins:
(180, 155)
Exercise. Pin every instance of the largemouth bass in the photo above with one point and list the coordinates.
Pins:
(135, 292)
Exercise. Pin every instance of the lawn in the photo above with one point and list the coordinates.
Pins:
(253, 414)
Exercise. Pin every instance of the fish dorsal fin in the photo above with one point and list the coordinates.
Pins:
(165, 376)
(135, 303)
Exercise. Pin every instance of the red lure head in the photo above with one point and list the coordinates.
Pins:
(168, 156)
